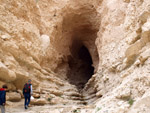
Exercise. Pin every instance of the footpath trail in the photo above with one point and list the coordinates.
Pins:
(51, 109)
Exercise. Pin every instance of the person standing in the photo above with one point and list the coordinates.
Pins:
(3, 98)
(27, 91)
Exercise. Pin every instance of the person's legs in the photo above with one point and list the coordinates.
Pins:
(25, 103)
(2, 109)
(28, 99)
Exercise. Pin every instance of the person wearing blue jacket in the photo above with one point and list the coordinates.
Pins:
(3, 98)
(27, 92)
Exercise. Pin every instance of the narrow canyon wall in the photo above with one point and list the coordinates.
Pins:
(123, 45)
(79, 52)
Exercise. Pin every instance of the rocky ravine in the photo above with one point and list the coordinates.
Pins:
(94, 55)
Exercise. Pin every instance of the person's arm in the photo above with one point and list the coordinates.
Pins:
(31, 90)
(23, 91)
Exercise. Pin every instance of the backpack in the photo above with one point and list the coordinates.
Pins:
(27, 88)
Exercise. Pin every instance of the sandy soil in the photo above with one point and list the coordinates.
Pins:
(18, 107)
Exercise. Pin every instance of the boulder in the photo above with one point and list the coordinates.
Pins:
(6, 74)
(1, 83)
(11, 86)
(56, 100)
(13, 97)
(38, 102)
(35, 95)
(21, 93)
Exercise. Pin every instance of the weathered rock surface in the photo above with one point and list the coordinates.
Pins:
(38, 102)
(13, 97)
(94, 52)
(35, 95)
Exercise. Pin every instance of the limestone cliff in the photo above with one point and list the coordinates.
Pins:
(94, 52)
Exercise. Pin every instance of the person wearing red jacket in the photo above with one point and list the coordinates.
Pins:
(27, 92)
(3, 98)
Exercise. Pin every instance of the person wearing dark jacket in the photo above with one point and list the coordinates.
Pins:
(3, 98)
(27, 91)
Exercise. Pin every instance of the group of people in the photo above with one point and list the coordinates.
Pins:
(27, 92)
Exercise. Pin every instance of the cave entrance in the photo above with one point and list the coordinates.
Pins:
(80, 66)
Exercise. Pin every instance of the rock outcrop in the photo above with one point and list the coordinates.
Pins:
(13, 97)
(78, 52)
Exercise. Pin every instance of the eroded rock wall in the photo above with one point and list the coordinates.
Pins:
(38, 39)
(123, 45)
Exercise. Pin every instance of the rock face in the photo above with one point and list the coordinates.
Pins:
(77, 52)
(38, 102)
(13, 97)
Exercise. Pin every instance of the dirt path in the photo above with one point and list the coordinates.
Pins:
(50, 109)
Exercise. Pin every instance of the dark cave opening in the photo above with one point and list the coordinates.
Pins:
(80, 64)
(85, 56)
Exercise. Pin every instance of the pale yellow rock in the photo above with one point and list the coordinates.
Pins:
(21, 93)
(1, 84)
(11, 86)
(127, 1)
(38, 101)
(56, 100)
(35, 95)
(6, 74)
(41, 41)
(13, 97)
